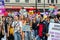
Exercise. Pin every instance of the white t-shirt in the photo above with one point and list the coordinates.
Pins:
(17, 25)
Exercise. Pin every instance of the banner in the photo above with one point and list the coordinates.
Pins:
(2, 8)
(54, 31)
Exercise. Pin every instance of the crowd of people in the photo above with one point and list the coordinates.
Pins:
(23, 26)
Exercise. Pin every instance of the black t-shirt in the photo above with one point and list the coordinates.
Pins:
(34, 26)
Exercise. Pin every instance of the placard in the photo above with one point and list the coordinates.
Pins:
(54, 31)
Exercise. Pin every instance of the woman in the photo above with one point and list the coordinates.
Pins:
(10, 32)
(17, 28)
(1, 32)
(23, 24)
(34, 27)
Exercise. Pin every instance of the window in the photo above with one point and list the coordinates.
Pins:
(39, 1)
(7, 0)
(26, 1)
(48, 1)
(56, 1)
(17, 0)
(52, 1)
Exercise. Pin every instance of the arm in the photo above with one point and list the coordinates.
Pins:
(8, 29)
(21, 28)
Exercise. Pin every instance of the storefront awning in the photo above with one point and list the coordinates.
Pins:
(30, 8)
(19, 7)
(12, 7)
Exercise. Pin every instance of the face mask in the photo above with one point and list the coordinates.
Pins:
(52, 20)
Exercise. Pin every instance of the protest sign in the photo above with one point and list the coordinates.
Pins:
(54, 31)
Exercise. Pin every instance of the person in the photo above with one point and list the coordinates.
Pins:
(4, 24)
(34, 26)
(59, 19)
(10, 32)
(17, 28)
(1, 32)
(56, 20)
(38, 18)
(10, 28)
(27, 29)
(11, 14)
(41, 29)
(46, 22)
(55, 10)
(51, 19)
(21, 20)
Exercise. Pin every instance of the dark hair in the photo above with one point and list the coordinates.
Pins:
(41, 15)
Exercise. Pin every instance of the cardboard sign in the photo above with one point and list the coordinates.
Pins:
(54, 31)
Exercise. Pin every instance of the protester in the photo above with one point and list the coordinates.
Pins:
(17, 28)
(56, 20)
(46, 22)
(10, 32)
(34, 26)
(24, 25)
(40, 29)
(1, 31)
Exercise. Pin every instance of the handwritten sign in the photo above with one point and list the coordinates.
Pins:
(54, 31)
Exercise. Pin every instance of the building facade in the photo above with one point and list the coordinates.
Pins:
(41, 4)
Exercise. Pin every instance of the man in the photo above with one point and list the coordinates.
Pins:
(56, 20)
(17, 28)
(42, 29)
(46, 28)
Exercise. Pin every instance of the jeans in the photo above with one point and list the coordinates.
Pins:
(17, 36)
(39, 38)
(27, 35)
(35, 33)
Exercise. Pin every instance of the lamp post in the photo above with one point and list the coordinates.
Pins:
(44, 6)
(36, 5)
